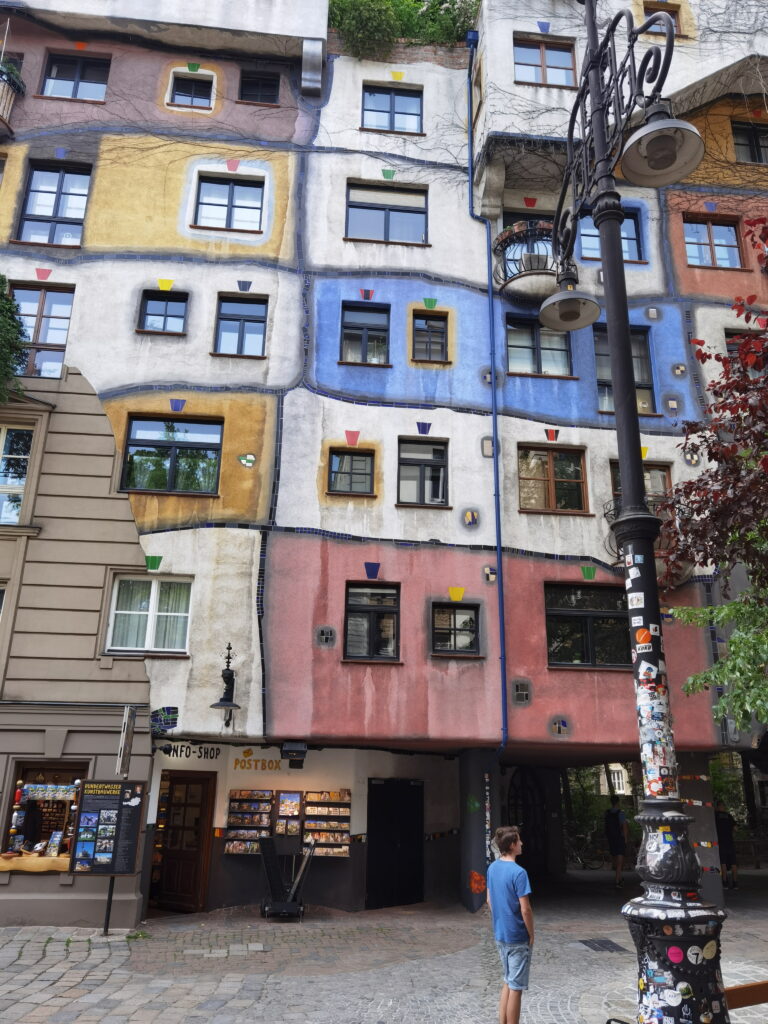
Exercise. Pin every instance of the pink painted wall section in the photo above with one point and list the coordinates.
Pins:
(441, 702)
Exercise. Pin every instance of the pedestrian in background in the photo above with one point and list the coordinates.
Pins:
(508, 895)
(725, 824)
(617, 834)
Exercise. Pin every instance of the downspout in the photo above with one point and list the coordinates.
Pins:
(472, 39)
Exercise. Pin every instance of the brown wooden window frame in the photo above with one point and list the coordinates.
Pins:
(551, 480)
(33, 345)
(711, 222)
(544, 45)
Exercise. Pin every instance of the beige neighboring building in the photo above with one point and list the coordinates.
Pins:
(65, 535)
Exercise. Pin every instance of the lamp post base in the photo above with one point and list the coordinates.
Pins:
(676, 934)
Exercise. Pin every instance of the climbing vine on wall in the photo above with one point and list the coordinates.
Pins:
(370, 28)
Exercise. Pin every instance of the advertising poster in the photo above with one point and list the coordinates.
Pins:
(107, 830)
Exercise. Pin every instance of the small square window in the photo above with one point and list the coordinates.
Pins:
(544, 63)
(422, 477)
(372, 622)
(364, 334)
(259, 87)
(163, 313)
(76, 78)
(630, 238)
(149, 615)
(430, 337)
(552, 480)
(673, 12)
(392, 110)
(45, 313)
(350, 471)
(229, 204)
(455, 629)
(376, 214)
(751, 143)
(241, 327)
(172, 455)
(192, 92)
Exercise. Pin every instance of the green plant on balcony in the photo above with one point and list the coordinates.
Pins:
(10, 73)
(370, 28)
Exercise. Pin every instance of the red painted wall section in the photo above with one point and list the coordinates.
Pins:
(314, 694)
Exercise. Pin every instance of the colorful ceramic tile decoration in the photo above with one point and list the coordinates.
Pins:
(165, 283)
(691, 458)
(456, 593)
(543, 26)
(232, 165)
(397, 76)
(429, 303)
(163, 719)
(366, 294)
(473, 804)
(388, 173)
(644, 453)
(81, 46)
(194, 68)
(589, 572)
(552, 435)
(471, 517)
(247, 460)
(372, 570)
(352, 436)
(710, 207)
(559, 727)
(678, 369)
(60, 153)
(244, 286)
(489, 571)
(422, 427)
(42, 273)
(177, 404)
(530, 201)
(153, 562)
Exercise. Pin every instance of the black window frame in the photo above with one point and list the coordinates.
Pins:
(755, 132)
(373, 612)
(194, 81)
(655, 8)
(454, 651)
(209, 179)
(387, 209)
(154, 295)
(711, 222)
(261, 77)
(172, 446)
(431, 320)
(551, 480)
(351, 308)
(80, 64)
(392, 93)
(423, 465)
(589, 617)
(54, 221)
(250, 318)
(536, 328)
(605, 384)
(363, 453)
(630, 217)
(562, 45)
(33, 346)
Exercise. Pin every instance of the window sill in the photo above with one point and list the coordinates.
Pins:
(180, 655)
(350, 494)
(547, 85)
(189, 106)
(653, 415)
(556, 512)
(432, 362)
(47, 245)
(164, 334)
(179, 494)
(456, 655)
(371, 661)
(379, 366)
(68, 99)
(409, 504)
(580, 667)
(599, 259)
(18, 530)
(542, 376)
(258, 103)
(231, 231)
(392, 131)
(235, 355)
(730, 270)
(386, 241)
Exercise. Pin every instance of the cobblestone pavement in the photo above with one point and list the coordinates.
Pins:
(420, 965)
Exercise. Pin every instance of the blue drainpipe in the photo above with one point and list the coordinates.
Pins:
(472, 40)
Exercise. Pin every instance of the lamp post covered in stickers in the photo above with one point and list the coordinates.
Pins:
(675, 932)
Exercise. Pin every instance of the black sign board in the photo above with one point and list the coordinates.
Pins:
(108, 823)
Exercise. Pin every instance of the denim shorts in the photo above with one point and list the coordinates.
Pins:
(516, 963)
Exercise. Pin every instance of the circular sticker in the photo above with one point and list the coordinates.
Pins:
(667, 929)
(672, 997)
(643, 636)
(710, 950)
(685, 990)
(675, 954)
(695, 954)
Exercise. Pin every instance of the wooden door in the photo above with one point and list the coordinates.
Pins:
(187, 841)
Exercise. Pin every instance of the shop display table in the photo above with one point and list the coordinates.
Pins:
(34, 863)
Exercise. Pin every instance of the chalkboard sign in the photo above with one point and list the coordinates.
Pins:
(106, 836)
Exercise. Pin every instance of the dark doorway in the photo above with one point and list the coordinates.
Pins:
(183, 841)
(527, 807)
(395, 842)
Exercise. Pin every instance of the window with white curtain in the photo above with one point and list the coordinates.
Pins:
(149, 614)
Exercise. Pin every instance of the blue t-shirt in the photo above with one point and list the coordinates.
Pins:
(507, 882)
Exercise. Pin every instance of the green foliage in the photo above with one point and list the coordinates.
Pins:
(370, 27)
(727, 784)
(12, 352)
(739, 677)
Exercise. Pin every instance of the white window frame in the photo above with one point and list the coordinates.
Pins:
(618, 780)
(15, 488)
(151, 614)
(182, 71)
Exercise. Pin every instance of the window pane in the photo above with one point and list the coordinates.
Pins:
(253, 339)
(129, 630)
(384, 637)
(407, 227)
(10, 506)
(227, 336)
(244, 309)
(567, 640)
(176, 430)
(527, 54)
(435, 490)
(590, 238)
(376, 119)
(555, 356)
(408, 491)
(521, 353)
(357, 635)
(60, 78)
(422, 452)
(173, 597)
(365, 317)
(560, 76)
(407, 122)
(147, 469)
(558, 58)
(48, 364)
(352, 347)
(364, 223)
(196, 469)
(590, 598)
(376, 99)
(528, 73)
(568, 496)
(533, 464)
(373, 596)
(133, 595)
(611, 641)
(67, 234)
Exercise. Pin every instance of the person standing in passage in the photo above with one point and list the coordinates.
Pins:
(509, 900)
(725, 823)
(617, 834)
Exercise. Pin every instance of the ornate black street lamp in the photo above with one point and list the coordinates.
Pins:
(226, 702)
(677, 935)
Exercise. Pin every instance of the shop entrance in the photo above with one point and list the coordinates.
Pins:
(182, 841)
(527, 807)
(395, 842)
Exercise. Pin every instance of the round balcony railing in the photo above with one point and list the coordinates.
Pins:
(524, 250)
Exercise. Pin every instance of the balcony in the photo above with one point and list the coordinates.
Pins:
(524, 267)
(11, 86)
(682, 571)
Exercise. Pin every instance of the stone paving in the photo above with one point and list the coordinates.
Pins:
(427, 964)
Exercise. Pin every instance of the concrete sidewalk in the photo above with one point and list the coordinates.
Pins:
(425, 964)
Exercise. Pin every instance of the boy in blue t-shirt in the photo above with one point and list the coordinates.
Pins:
(509, 901)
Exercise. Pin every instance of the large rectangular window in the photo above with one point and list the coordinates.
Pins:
(534, 349)
(711, 244)
(751, 143)
(350, 471)
(15, 449)
(172, 455)
(455, 629)
(364, 334)
(422, 477)
(372, 622)
(641, 365)
(149, 615)
(392, 110)
(386, 214)
(229, 205)
(630, 238)
(54, 206)
(241, 326)
(540, 63)
(552, 480)
(45, 313)
(77, 78)
(587, 625)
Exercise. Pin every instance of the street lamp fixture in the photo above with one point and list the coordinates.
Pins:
(226, 702)
(676, 934)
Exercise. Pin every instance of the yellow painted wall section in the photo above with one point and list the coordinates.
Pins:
(11, 188)
(249, 428)
(719, 166)
(140, 194)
